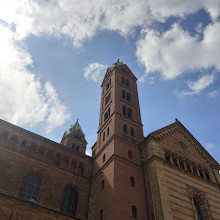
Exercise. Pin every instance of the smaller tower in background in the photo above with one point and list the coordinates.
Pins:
(74, 138)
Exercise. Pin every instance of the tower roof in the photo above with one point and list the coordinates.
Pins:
(117, 63)
(75, 127)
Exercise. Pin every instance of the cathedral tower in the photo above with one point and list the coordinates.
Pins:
(74, 138)
(119, 110)
(117, 172)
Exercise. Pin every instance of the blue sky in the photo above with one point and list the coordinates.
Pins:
(54, 55)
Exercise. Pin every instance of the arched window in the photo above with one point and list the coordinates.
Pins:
(132, 132)
(207, 176)
(130, 113)
(77, 148)
(130, 154)
(132, 181)
(199, 204)
(125, 128)
(30, 187)
(69, 201)
(134, 211)
(124, 109)
(107, 86)
(13, 139)
(128, 96)
(198, 210)
(127, 82)
(24, 142)
(101, 214)
(123, 94)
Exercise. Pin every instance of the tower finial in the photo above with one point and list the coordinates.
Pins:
(77, 120)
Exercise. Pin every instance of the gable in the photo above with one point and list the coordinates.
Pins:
(177, 139)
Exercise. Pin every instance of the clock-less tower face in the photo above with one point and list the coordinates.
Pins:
(116, 153)
(119, 110)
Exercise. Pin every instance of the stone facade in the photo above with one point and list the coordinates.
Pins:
(166, 175)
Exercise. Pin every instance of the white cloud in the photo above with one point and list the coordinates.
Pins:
(175, 52)
(213, 94)
(199, 85)
(81, 20)
(95, 71)
(24, 99)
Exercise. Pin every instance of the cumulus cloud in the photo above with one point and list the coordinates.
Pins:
(175, 51)
(24, 99)
(199, 85)
(81, 20)
(94, 71)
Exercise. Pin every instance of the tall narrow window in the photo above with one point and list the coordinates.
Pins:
(101, 214)
(73, 146)
(69, 201)
(128, 97)
(24, 142)
(130, 113)
(130, 154)
(103, 139)
(125, 128)
(107, 131)
(77, 148)
(207, 176)
(106, 116)
(102, 184)
(198, 210)
(132, 132)
(122, 80)
(124, 109)
(134, 211)
(132, 181)
(127, 82)
(123, 94)
(30, 187)
(103, 158)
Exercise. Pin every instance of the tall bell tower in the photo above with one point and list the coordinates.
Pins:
(119, 110)
(117, 172)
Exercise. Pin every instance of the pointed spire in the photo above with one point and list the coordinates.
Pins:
(75, 127)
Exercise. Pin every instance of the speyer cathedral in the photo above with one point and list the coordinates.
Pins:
(166, 175)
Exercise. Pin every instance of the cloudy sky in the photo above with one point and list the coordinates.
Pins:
(54, 54)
